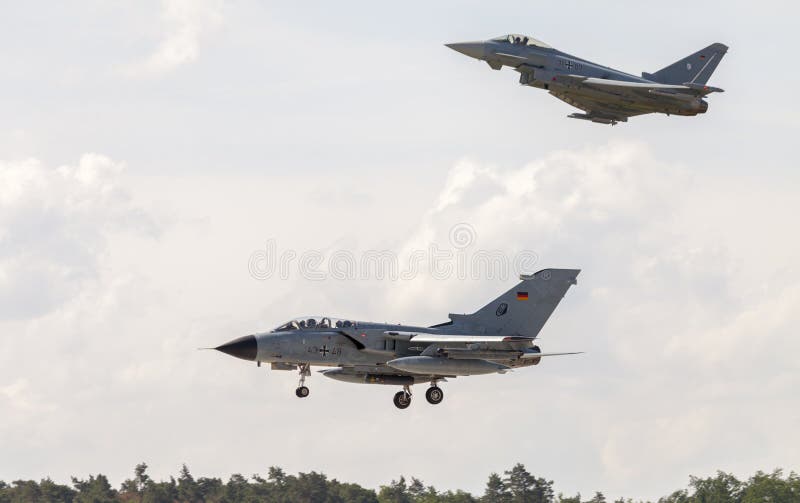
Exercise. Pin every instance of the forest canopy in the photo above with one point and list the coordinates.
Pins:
(515, 485)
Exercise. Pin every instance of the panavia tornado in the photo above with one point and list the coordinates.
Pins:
(495, 339)
(605, 95)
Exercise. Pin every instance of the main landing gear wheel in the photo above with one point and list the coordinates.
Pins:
(402, 400)
(434, 395)
(302, 390)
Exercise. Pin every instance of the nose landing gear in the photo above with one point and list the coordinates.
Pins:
(302, 391)
(402, 399)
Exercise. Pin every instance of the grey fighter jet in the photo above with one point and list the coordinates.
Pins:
(495, 339)
(605, 95)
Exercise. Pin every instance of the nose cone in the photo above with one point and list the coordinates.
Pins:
(475, 50)
(245, 347)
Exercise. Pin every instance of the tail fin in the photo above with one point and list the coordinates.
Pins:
(696, 68)
(524, 309)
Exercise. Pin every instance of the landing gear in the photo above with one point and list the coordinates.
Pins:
(305, 371)
(434, 395)
(402, 399)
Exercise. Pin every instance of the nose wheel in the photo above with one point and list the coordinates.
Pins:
(302, 390)
(402, 399)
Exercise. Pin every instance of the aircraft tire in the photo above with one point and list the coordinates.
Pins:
(402, 400)
(301, 392)
(434, 395)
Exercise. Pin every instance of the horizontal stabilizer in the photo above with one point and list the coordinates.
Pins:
(702, 88)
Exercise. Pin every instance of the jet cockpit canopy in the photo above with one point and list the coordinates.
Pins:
(521, 40)
(315, 323)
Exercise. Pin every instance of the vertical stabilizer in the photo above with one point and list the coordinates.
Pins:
(696, 68)
(524, 309)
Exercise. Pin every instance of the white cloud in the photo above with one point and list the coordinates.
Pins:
(53, 228)
(683, 321)
(186, 23)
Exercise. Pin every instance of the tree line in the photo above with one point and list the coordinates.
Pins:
(516, 485)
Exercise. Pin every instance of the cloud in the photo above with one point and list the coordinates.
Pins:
(689, 327)
(683, 318)
(186, 23)
(53, 228)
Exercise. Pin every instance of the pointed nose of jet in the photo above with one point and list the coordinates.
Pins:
(245, 347)
(475, 50)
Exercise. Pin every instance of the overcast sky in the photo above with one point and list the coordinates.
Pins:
(149, 150)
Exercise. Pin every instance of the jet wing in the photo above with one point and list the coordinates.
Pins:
(453, 338)
(597, 111)
(434, 338)
(637, 88)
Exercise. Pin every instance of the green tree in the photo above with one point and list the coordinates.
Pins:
(188, 489)
(211, 489)
(771, 487)
(525, 488)
(133, 489)
(724, 488)
(311, 488)
(24, 490)
(160, 492)
(677, 497)
(419, 493)
(396, 492)
(597, 498)
(52, 492)
(353, 493)
(94, 490)
(496, 491)
(276, 476)
(237, 489)
(455, 497)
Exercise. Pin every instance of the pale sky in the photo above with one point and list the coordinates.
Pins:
(149, 149)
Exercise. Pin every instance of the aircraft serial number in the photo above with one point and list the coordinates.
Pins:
(324, 350)
(569, 64)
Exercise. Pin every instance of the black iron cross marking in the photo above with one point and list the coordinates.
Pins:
(324, 350)
(568, 64)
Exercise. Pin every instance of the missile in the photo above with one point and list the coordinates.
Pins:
(587, 117)
(431, 365)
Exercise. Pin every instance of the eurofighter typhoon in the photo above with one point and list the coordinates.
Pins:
(604, 94)
(495, 339)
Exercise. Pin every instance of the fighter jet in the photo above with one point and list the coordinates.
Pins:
(497, 338)
(606, 95)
